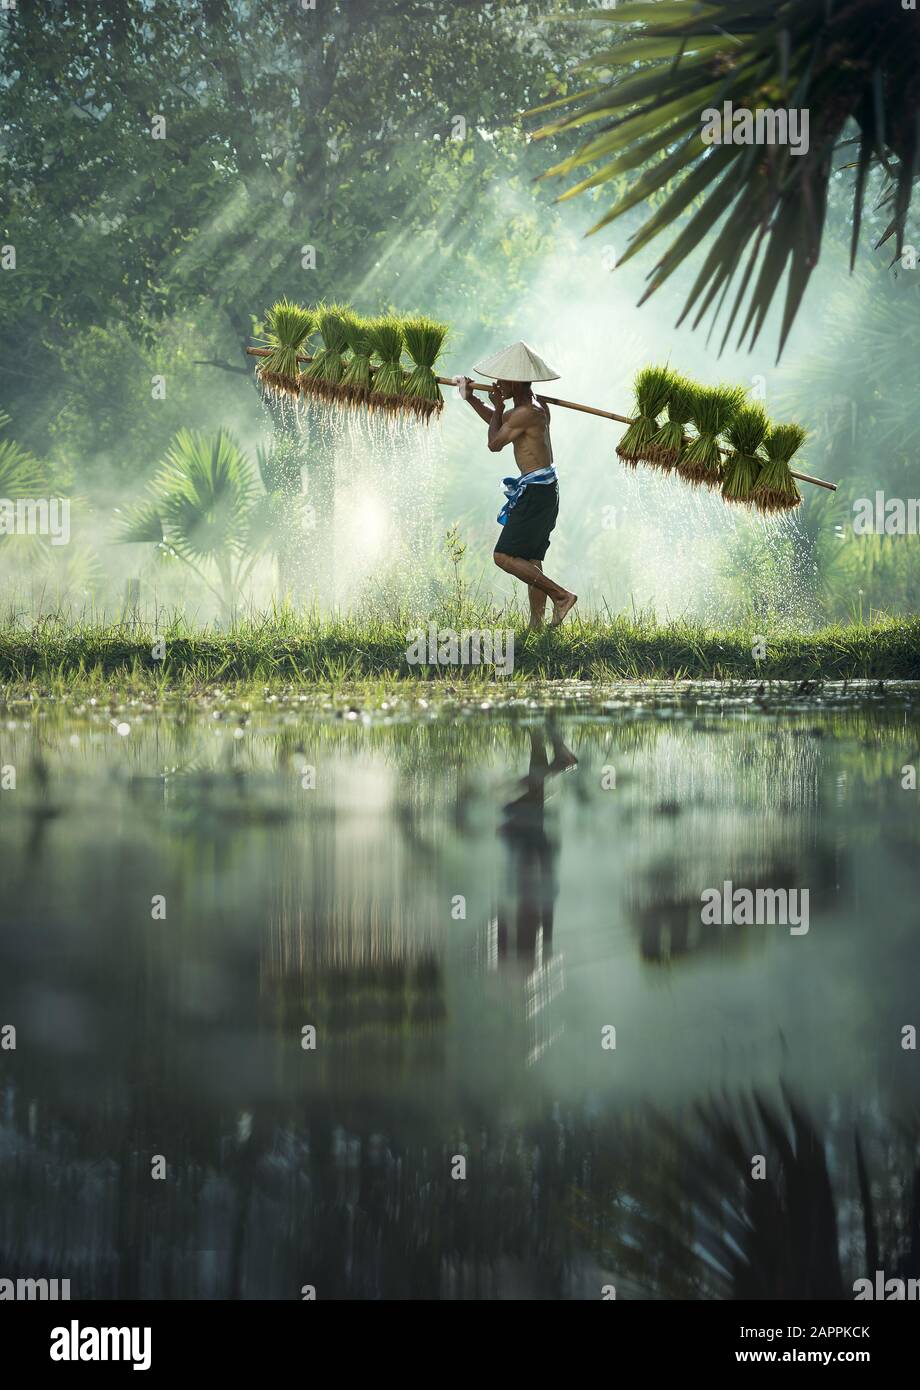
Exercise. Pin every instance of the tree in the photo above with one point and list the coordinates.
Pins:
(204, 509)
(852, 68)
(160, 158)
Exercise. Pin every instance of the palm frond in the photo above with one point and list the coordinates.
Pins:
(199, 501)
(21, 475)
(139, 525)
(848, 65)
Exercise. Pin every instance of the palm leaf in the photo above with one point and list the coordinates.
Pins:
(199, 500)
(139, 525)
(21, 475)
(853, 63)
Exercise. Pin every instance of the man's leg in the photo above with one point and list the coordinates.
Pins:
(537, 601)
(530, 573)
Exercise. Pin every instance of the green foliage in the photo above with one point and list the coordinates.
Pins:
(652, 388)
(200, 510)
(272, 126)
(390, 378)
(667, 445)
(21, 475)
(323, 376)
(287, 327)
(851, 66)
(109, 426)
(424, 339)
(298, 650)
(714, 408)
(745, 434)
(776, 490)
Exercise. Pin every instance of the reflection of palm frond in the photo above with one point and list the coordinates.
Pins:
(844, 64)
(729, 1234)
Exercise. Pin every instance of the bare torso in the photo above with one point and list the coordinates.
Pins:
(533, 448)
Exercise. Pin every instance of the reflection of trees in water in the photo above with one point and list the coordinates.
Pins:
(353, 1194)
(667, 918)
(558, 1207)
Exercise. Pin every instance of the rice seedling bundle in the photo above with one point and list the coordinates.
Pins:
(390, 378)
(741, 469)
(665, 448)
(359, 363)
(356, 381)
(323, 376)
(424, 340)
(653, 387)
(714, 408)
(776, 490)
(286, 329)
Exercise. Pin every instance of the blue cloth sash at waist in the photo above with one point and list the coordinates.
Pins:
(514, 488)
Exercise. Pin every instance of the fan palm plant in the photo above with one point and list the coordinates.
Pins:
(202, 509)
(21, 476)
(855, 67)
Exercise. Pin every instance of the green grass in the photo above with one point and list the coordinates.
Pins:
(52, 655)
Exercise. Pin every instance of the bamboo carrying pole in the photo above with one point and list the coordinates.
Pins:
(486, 387)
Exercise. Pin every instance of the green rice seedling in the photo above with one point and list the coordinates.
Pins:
(714, 408)
(285, 331)
(776, 490)
(666, 447)
(323, 376)
(652, 388)
(389, 380)
(424, 339)
(741, 469)
(356, 382)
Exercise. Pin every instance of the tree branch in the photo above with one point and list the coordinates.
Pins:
(224, 366)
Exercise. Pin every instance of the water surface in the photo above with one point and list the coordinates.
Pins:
(462, 898)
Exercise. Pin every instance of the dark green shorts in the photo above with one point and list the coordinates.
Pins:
(526, 532)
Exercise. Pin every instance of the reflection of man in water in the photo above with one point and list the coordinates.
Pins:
(532, 854)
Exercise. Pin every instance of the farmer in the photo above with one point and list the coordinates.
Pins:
(532, 504)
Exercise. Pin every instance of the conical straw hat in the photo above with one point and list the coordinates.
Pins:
(517, 363)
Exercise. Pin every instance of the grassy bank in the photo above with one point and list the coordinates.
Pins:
(285, 648)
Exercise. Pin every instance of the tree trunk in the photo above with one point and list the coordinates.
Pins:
(300, 465)
(319, 540)
(300, 472)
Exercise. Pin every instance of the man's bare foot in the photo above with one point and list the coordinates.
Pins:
(561, 607)
(563, 758)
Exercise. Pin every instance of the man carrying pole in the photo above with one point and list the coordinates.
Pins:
(532, 499)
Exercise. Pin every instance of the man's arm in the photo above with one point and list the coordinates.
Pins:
(501, 431)
(465, 386)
